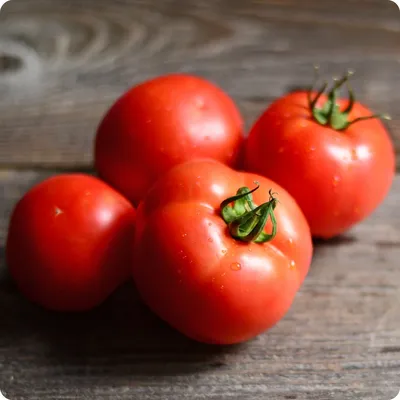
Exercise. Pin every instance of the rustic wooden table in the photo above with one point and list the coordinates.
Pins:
(63, 62)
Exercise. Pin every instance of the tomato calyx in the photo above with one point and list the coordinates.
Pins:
(330, 113)
(245, 220)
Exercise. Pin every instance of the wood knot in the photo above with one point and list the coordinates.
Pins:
(9, 63)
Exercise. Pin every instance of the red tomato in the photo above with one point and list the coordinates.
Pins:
(69, 242)
(163, 122)
(218, 277)
(338, 167)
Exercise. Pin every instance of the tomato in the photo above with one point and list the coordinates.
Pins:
(163, 122)
(332, 155)
(69, 240)
(219, 273)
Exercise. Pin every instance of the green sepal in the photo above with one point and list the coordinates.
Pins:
(246, 221)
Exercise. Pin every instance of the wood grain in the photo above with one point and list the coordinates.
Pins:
(63, 63)
(340, 340)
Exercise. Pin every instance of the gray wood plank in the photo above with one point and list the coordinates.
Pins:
(340, 340)
(63, 63)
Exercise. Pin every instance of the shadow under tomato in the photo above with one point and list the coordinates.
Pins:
(322, 247)
(341, 240)
(120, 338)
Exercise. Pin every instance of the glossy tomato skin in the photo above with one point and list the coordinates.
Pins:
(337, 177)
(192, 273)
(69, 242)
(161, 123)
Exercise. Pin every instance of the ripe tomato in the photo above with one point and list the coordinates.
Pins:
(69, 240)
(333, 157)
(219, 273)
(163, 122)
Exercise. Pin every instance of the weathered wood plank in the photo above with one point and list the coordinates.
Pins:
(64, 62)
(341, 339)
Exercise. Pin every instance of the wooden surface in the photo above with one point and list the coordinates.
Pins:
(63, 62)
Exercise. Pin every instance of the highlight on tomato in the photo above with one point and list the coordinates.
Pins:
(333, 155)
(69, 242)
(219, 254)
(163, 122)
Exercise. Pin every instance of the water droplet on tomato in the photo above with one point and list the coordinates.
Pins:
(291, 240)
(354, 155)
(236, 266)
(222, 287)
(223, 274)
(184, 235)
(224, 251)
(250, 249)
(209, 224)
(58, 211)
(336, 180)
(210, 240)
(199, 103)
(303, 124)
(292, 264)
(281, 150)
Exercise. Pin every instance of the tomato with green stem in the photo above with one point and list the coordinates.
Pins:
(219, 254)
(332, 154)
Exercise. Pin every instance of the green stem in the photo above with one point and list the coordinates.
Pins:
(330, 114)
(380, 116)
(246, 221)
